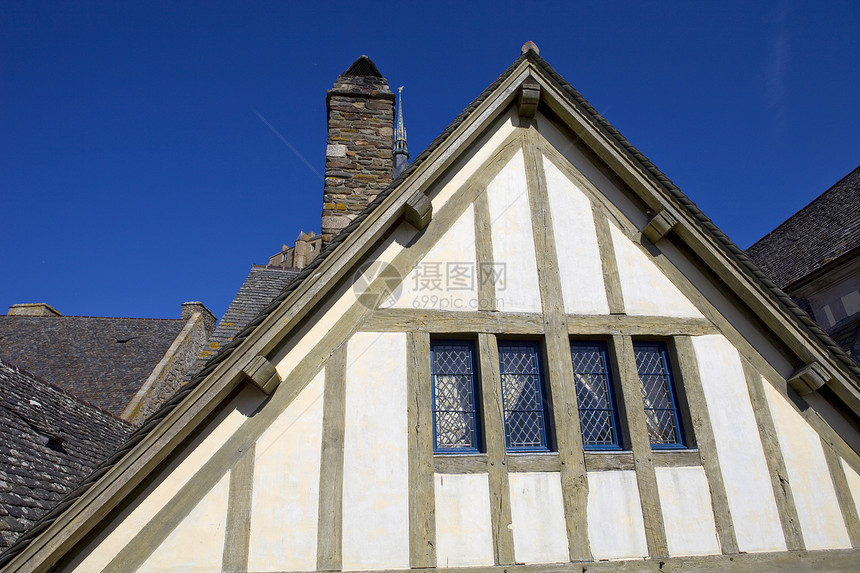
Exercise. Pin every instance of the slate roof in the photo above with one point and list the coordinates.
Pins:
(821, 232)
(102, 361)
(261, 286)
(50, 442)
(735, 252)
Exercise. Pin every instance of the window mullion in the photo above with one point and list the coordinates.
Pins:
(494, 436)
(624, 363)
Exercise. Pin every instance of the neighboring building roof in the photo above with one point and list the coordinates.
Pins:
(103, 361)
(50, 442)
(261, 286)
(733, 253)
(847, 334)
(821, 232)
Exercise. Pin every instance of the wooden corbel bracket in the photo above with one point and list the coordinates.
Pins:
(419, 211)
(528, 99)
(660, 224)
(809, 379)
(262, 374)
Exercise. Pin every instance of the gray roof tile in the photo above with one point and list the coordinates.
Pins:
(103, 361)
(821, 232)
(50, 442)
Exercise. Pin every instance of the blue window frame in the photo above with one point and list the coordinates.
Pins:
(455, 415)
(659, 396)
(523, 396)
(598, 413)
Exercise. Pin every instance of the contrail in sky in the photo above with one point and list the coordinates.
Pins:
(288, 144)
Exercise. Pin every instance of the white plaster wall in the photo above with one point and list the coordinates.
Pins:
(447, 277)
(809, 476)
(302, 342)
(376, 454)
(576, 246)
(745, 472)
(594, 173)
(197, 544)
(285, 499)
(853, 482)
(688, 515)
(537, 515)
(464, 535)
(513, 240)
(468, 165)
(99, 552)
(616, 529)
(646, 290)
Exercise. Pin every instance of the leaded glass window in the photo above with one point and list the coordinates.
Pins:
(455, 416)
(523, 396)
(658, 394)
(598, 416)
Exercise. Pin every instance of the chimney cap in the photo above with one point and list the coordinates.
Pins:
(33, 309)
(363, 66)
(530, 47)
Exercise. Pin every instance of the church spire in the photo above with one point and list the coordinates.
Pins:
(401, 153)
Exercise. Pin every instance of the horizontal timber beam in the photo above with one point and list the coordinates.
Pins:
(795, 561)
(494, 322)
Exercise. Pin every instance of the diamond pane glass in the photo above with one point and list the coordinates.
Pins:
(522, 395)
(597, 415)
(454, 414)
(655, 381)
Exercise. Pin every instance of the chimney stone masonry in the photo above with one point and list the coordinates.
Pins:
(358, 165)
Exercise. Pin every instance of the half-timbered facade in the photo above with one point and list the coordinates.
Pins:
(531, 352)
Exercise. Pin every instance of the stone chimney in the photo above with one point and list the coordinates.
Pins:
(209, 320)
(33, 309)
(358, 162)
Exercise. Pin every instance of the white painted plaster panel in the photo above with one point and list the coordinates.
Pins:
(376, 454)
(479, 153)
(285, 502)
(447, 277)
(537, 514)
(853, 482)
(197, 544)
(616, 529)
(745, 472)
(594, 173)
(646, 290)
(513, 240)
(576, 246)
(167, 484)
(818, 509)
(464, 535)
(302, 341)
(687, 511)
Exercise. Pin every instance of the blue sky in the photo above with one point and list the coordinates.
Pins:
(135, 173)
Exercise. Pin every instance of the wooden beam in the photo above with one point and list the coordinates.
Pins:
(611, 279)
(688, 367)
(775, 463)
(624, 363)
(843, 493)
(563, 407)
(330, 528)
(237, 536)
(422, 500)
(494, 435)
